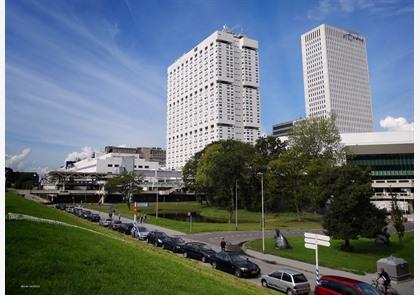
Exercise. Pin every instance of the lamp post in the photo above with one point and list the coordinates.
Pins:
(236, 204)
(262, 209)
(157, 195)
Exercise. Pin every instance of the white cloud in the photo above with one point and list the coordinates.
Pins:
(42, 170)
(17, 161)
(87, 152)
(396, 124)
(385, 8)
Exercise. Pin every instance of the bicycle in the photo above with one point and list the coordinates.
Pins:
(377, 283)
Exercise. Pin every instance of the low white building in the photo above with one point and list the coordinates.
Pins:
(112, 163)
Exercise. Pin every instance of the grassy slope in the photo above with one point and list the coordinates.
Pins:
(361, 260)
(66, 260)
(247, 220)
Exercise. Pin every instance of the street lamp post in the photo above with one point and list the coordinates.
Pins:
(157, 195)
(236, 204)
(262, 210)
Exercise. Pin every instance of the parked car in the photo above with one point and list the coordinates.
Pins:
(155, 237)
(288, 281)
(335, 285)
(199, 251)
(86, 214)
(105, 222)
(115, 224)
(175, 244)
(139, 232)
(78, 212)
(94, 217)
(60, 206)
(125, 228)
(69, 209)
(233, 262)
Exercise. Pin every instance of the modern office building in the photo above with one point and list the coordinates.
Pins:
(282, 129)
(390, 156)
(152, 154)
(213, 94)
(336, 78)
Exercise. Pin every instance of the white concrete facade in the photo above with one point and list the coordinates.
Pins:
(213, 94)
(113, 163)
(336, 78)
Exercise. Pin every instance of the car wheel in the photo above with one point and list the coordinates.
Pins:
(214, 264)
(156, 244)
(185, 254)
(289, 292)
(238, 273)
(148, 241)
(264, 283)
(203, 259)
(163, 246)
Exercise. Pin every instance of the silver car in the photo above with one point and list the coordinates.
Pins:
(139, 232)
(287, 280)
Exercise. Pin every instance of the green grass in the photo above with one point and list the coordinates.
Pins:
(361, 260)
(246, 220)
(63, 260)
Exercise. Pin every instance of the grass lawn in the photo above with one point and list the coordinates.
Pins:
(361, 260)
(246, 220)
(63, 260)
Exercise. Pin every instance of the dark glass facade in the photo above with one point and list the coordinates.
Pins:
(386, 166)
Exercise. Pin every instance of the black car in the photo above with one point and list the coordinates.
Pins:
(94, 217)
(115, 224)
(86, 214)
(69, 209)
(125, 228)
(60, 206)
(199, 251)
(155, 237)
(174, 244)
(236, 264)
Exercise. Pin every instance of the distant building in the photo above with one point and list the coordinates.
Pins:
(282, 129)
(213, 94)
(336, 78)
(390, 156)
(152, 154)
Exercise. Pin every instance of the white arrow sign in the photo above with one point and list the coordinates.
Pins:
(317, 242)
(310, 246)
(317, 237)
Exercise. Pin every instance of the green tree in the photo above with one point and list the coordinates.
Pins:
(397, 218)
(350, 213)
(126, 183)
(221, 166)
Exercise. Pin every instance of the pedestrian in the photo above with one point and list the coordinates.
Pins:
(119, 216)
(137, 219)
(145, 218)
(223, 244)
(110, 214)
(141, 218)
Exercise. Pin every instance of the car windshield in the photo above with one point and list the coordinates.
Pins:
(299, 278)
(142, 229)
(179, 240)
(117, 222)
(237, 258)
(204, 247)
(368, 289)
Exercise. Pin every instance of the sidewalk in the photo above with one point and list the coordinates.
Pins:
(403, 287)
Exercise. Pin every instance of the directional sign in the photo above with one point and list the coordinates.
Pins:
(310, 246)
(317, 237)
(317, 242)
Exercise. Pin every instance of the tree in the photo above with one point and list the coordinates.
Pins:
(317, 138)
(350, 213)
(397, 218)
(126, 183)
(221, 166)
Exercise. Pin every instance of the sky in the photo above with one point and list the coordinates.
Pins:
(81, 75)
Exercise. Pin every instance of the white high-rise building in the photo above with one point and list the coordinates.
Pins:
(336, 78)
(213, 94)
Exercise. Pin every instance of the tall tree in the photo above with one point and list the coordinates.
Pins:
(126, 183)
(221, 166)
(397, 218)
(350, 213)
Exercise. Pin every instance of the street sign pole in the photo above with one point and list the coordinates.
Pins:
(316, 269)
(311, 242)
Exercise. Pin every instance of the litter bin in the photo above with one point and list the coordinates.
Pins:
(397, 268)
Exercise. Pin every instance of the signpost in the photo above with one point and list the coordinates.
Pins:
(311, 242)
(190, 216)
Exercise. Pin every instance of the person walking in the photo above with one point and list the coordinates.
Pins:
(145, 218)
(223, 244)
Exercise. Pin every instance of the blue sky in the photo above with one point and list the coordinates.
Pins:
(84, 74)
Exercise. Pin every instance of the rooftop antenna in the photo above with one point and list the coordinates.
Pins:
(225, 28)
